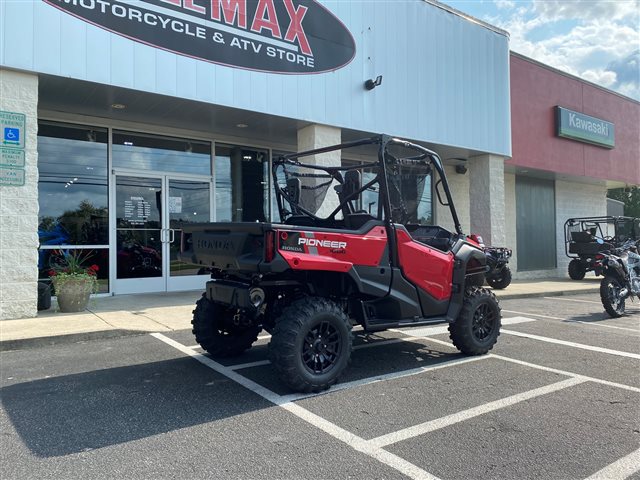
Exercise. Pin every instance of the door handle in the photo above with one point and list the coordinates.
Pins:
(172, 235)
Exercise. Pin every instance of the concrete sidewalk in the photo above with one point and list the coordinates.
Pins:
(109, 317)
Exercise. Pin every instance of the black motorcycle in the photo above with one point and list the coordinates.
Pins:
(621, 270)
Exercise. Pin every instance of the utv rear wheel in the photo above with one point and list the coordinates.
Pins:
(610, 295)
(500, 280)
(311, 344)
(576, 269)
(216, 331)
(477, 328)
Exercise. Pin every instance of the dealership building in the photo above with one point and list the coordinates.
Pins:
(122, 120)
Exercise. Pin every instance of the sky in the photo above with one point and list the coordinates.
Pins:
(597, 40)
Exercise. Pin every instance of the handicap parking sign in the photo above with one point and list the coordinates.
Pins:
(11, 136)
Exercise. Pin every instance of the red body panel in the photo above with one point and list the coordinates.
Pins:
(426, 267)
(333, 252)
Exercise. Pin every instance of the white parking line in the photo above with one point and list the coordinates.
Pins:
(458, 417)
(439, 330)
(354, 441)
(564, 372)
(572, 321)
(549, 369)
(571, 344)
(619, 470)
(386, 377)
(571, 300)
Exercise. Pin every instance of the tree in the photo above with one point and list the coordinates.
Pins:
(630, 197)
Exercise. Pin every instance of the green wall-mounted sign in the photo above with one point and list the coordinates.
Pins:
(13, 177)
(11, 157)
(584, 128)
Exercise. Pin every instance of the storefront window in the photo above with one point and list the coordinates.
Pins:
(242, 184)
(72, 192)
(161, 154)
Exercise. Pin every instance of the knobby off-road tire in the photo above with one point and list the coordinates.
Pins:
(576, 269)
(477, 328)
(500, 280)
(311, 344)
(613, 304)
(476, 280)
(217, 336)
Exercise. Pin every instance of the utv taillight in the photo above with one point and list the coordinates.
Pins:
(269, 246)
(477, 239)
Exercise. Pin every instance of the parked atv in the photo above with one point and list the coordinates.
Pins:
(586, 239)
(621, 269)
(498, 274)
(353, 247)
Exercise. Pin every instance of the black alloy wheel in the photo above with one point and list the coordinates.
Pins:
(311, 344)
(484, 322)
(477, 328)
(576, 269)
(321, 348)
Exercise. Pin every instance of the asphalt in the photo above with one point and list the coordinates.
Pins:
(127, 315)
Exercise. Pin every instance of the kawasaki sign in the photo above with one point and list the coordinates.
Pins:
(278, 36)
(578, 126)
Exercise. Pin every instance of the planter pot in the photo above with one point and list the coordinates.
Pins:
(73, 294)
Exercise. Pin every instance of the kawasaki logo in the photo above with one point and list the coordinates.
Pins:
(314, 242)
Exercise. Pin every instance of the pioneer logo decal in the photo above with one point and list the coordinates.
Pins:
(315, 242)
(278, 36)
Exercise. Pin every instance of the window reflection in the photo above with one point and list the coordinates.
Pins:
(242, 184)
(72, 186)
(161, 154)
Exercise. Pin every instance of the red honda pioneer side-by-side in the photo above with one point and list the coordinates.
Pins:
(354, 244)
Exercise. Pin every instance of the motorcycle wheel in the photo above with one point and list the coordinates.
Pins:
(610, 288)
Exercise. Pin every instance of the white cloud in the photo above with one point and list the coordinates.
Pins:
(602, 46)
(504, 4)
(601, 77)
(586, 9)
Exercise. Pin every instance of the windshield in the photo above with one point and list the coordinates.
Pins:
(398, 184)
(327, 192)
(410, 193)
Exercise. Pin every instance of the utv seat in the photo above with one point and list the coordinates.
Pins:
(582, 237)
(354, 221)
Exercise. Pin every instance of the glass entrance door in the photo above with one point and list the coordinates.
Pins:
(150, 212)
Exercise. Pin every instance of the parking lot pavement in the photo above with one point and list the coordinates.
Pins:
(558, 397)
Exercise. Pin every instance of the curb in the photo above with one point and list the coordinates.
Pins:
(558, 293)
(38, 342)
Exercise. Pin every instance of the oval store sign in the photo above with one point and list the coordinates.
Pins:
(278, 36)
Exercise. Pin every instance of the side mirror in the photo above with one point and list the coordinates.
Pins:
(438, 187)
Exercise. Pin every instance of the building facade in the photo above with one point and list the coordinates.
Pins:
(124, 119)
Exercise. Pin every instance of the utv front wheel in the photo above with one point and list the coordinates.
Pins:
(311, 344)
(500, 280)
(610, 295)
(576, 269)
(477, 328)
(216, 331)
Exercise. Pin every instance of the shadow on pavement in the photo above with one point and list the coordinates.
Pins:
(74, 413)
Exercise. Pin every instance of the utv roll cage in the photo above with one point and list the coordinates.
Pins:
(586, 236)
(347, 182)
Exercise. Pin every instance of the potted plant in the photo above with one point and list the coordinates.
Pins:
(72, 281)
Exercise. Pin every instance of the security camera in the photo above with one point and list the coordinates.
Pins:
(461, 169)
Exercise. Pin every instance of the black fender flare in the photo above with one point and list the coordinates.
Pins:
(464, 252)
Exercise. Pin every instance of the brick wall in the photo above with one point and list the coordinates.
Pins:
(19, 206)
